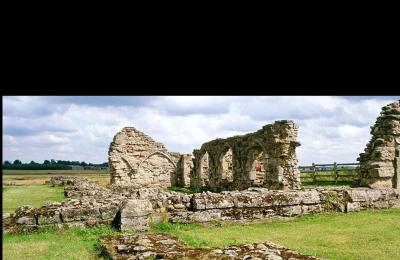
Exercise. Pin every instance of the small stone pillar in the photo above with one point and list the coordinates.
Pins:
(379, 163)
(282, 164)
(135, 215)
(185, 166)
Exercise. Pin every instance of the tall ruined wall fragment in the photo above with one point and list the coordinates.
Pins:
(266, 158)
(379, 164)
(136, 160)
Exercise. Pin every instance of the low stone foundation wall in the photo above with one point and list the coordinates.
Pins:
(86, 204)
(261, 204)
(89, 204)
(163, 246)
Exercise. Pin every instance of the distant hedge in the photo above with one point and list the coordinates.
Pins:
(47, 165)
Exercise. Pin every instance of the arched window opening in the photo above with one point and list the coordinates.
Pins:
(227, 166)
(256, 164)
(204, 169)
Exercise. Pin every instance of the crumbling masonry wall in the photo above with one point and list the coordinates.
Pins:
(379, 164)
(136, 160)
(89, 204)
(266, 158)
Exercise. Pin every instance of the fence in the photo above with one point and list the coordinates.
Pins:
(333, 173)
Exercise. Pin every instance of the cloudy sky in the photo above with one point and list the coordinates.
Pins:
(81, 128)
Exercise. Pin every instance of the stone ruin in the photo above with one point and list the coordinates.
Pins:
(380, 162)
(266, 158)
(136, 160)
(249, 177)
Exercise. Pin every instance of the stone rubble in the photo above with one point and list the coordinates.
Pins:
(163, 246)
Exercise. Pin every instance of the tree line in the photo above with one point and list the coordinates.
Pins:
(48, 165)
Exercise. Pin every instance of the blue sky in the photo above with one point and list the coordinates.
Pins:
(81, 128)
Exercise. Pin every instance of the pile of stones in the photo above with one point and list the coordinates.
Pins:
(163, 246)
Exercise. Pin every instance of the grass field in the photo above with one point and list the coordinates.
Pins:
(34, 195)
(36, 177)
(361, 235)
(77, 243)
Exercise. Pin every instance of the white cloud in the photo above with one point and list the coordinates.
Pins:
(39, 128)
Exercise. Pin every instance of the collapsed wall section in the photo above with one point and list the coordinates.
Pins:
(136, 160)
(379, 164)
(266, 158)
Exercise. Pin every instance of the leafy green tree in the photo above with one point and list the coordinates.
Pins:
(7, 163)
(17, 162)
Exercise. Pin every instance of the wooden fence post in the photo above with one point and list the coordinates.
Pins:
(313, 172)
(336, 172)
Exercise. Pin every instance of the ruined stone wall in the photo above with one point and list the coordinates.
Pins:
(135, 159)
(127, 208)
(266, 158)
(259, 203)
(379, 164)
(86, 204)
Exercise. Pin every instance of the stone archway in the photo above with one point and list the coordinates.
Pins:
(157, 169)
(257, 162)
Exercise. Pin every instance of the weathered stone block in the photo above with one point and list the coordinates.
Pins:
(307, 209)
(309, 197)
(52, 218)
(290, 211)
(135, 223)
(79, 214)
(353, 206)
(136, 208)
(135, 214)
(357, 195)
(26, 221)
(381, 172)
(108, 212)
(206, 216)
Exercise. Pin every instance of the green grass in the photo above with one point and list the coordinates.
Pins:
(34, 195)
(360, 235)
(53, 172)
(36, 177)
(77, 243)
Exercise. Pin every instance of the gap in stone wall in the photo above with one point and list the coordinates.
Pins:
(226, 167)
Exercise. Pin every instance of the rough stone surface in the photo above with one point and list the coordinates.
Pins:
(66, 180)
(266, 158)
(135, 159)
(379, 164)
(135, 215)
(163, 246)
